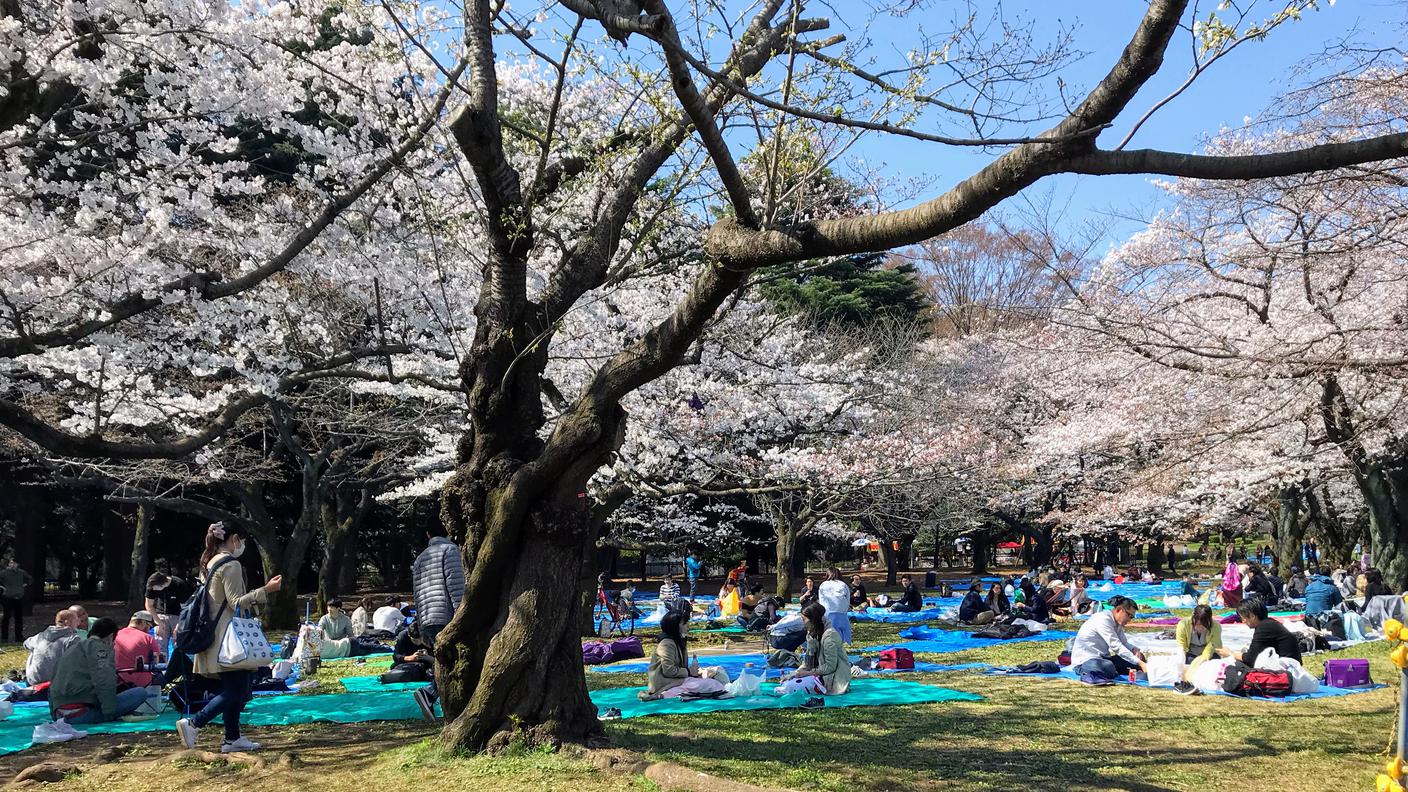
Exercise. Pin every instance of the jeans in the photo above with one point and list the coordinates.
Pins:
(234, 693)
(842, 623)
(13, 608)
(900, 607)
(127, 702)
(788, 641)
(1110, 668)
(693, 584)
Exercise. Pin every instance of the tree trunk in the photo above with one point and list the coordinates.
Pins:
(786, 546)
(887, 546)
(33, 507)
(117, 553)
(980, 553)
(1155, 556)
(1288, 524)
(141, 558)
(1336, 536)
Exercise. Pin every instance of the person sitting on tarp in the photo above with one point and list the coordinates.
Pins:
(1188, 589)
(1200, 635)
(728, 600)
(746, 605)
(362, 616)
(412, 662)
(388, 620)
(789, 633)
(911, 601)
(669, 591)
(1298, 583)
(135, 652)
(47, 647)
(1081, 603)
(1033, 603)
(808, 595)
(1101, 653)
(826, 668)
(672, 673)
(859, 600)
(85, 683)
(1267, 633)
(335, 624)
(972, 608)
(764, 611)
(1258, 584)
(997, 600)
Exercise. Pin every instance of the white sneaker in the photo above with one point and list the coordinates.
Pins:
(241, 745)
(188, 732)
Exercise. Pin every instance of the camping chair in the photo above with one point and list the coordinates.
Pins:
(610, 619)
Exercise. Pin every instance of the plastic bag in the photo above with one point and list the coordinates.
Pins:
(1301, 680)
(1034, 626)
(7, 709)
(745, 686)
(1165, 670)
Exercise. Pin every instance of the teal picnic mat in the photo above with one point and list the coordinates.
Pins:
(372, 684)
(863, 693)
(730, 630)
(16, 730)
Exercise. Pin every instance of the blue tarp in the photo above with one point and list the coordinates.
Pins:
(734, 665)
(931, 640)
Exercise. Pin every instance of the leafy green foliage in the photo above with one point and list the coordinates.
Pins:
(855, 290)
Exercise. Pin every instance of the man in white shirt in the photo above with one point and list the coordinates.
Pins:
(389, 618)
(1101, 651)
(835, 596)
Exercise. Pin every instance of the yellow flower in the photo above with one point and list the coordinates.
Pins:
(1399, 656)
(1392, 628)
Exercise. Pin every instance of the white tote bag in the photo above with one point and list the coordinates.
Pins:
(243, 646)
(1165, 670)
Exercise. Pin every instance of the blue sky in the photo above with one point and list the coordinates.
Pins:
(1241, 84)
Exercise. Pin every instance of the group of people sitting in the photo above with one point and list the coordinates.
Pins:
(825, 667)
(859, 600)
(1042, 601)
(89, 670)
(1101, 651)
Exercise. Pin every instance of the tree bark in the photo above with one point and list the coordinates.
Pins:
(141, 558)
(1336, 537)
(117, 554)
(980, 552)
(1288, 511)
(1155, 556)
(786, 545)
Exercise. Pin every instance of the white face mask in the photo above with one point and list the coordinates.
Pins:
(238, 551)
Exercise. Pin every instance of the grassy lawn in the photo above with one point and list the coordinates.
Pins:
(1025, 734)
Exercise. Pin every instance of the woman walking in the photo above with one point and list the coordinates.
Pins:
(225, 586)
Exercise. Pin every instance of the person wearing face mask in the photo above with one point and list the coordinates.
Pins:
(225, 586)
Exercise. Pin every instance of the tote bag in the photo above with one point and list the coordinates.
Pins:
(243, 646)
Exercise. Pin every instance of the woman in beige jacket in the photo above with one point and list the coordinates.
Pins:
(224, 543)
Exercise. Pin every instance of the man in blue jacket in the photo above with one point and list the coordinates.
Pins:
(1321, 593)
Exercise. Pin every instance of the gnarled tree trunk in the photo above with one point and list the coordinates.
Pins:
(141, 558)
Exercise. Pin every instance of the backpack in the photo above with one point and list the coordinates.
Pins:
(195, 627)
(1242, 680)
(626, 648)
(896, 659)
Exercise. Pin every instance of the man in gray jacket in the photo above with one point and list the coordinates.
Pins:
(438, 576)
(47, 647)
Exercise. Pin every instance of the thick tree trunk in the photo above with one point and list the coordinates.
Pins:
(32, 509)
(887, 546)
(141, 557)
(511, 666)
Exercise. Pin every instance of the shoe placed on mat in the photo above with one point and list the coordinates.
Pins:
(242, 745)
(1186, 689)
(427, 706)
(187, 731)
(1095, 681)
(612, 713)
(815, 702)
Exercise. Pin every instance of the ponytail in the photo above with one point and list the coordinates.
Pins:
(215, 536)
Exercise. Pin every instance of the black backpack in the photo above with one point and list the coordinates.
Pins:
(195, 628)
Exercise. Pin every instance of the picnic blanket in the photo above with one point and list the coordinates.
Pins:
(887, 616)
(735, 663)
(16, 730)
(928, 639)
(863, 693)
(1324, 692)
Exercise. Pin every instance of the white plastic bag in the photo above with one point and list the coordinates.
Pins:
(7, 708)
(1208, 674)
(1165, 670)
(1034, 626)
(243, 646)
(745, 686)
(1301, 680)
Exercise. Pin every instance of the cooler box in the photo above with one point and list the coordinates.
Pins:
(1347, 673)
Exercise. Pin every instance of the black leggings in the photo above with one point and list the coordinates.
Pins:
(228, 703)
(12, 609)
